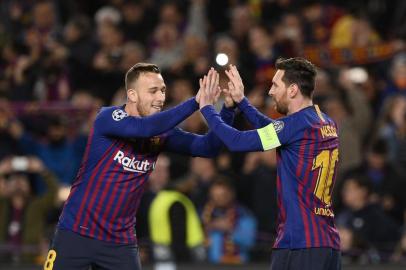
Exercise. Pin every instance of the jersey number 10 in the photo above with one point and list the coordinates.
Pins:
(326, 162)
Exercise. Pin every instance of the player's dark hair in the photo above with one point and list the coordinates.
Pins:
(134, 72)
(299, 71)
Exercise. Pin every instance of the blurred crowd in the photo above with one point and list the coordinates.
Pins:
(60, 61)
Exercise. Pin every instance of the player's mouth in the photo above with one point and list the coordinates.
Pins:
(157, 107)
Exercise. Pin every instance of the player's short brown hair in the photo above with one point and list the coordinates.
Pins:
(134, 72)
(299, 71)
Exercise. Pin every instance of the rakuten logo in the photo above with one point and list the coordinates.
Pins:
(133, 165)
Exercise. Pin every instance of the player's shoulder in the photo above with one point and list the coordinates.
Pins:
(303, 119)
(294, 120)
(109, 109)
(116, 113)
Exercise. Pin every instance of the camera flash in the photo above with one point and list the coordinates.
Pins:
(222, 59)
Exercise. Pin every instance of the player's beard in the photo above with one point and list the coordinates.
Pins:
(281, 105)
(142, 109)
(281, 108)
(145, 109)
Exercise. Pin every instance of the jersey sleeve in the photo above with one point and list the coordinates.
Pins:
(255, 117)
(279, 132)
(286, 128)
(208, 145)
(271, 136)
(234, 139)
(116, 122)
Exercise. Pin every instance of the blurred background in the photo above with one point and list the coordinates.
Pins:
(60, 61)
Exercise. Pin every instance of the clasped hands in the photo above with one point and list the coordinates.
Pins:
(210, 91)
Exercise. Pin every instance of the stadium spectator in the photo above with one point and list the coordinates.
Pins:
(22, 213)
(175, 230)
(391, 127)
(387, 180)
(397, 78)
(158, 180)
(352, 114)
(371, 231)
(197, 183)
(10, 129)
(56, 149)
(230, 228)
(262, 191)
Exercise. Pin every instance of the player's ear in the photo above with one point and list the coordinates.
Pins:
(131, 95)
(293, 90)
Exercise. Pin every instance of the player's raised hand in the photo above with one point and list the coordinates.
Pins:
(201, 86)
(210, 91)
(228, 100)
(237, 87)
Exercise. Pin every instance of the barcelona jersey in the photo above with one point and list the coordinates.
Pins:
(120, 155)
(307, 160)
(306, 145)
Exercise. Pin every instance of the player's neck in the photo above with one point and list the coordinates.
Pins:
(299, 104)
(131, 108)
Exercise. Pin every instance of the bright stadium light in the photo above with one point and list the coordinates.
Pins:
(357, 75)
(222, 59)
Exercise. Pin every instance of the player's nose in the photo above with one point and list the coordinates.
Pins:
(160, 96)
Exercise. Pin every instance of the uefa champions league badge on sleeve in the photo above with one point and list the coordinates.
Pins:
(278, 125)
(119, 114)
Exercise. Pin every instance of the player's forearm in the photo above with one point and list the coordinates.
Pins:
(210, 145)
(235, 140)
(148, 126)
(161, 122)
(255, 117)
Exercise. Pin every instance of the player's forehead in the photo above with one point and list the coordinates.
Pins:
(148, 80)
(278, 75)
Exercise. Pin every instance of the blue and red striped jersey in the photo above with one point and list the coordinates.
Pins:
(306, 167)
(307, 155)
(120, 155)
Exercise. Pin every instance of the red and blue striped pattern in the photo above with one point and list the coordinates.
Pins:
(104, 197)
(299, 225)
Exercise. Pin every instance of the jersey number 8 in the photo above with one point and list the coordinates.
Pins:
(49, 263)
